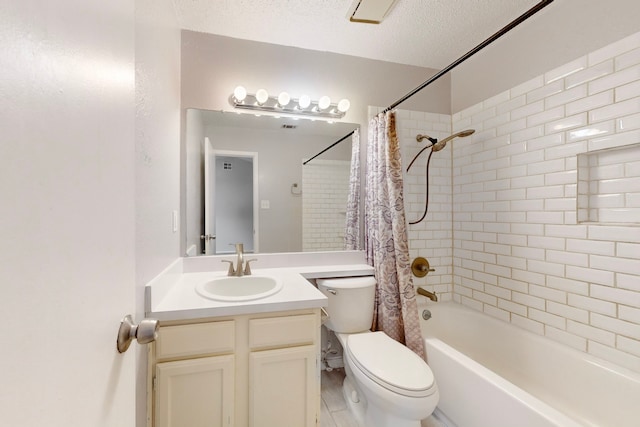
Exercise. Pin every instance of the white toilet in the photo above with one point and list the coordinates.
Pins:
(387, 385)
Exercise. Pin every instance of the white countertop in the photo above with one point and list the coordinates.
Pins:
(173, 296)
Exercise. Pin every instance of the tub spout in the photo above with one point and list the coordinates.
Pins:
(431, 295)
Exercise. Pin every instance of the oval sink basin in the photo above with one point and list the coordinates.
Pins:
(243, 288)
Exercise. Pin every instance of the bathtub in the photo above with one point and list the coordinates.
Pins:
(493, 374)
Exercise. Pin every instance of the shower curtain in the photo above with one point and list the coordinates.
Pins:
(352, 226)
(386, 242)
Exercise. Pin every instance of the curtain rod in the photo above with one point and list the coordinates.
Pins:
(331, 146)
(529, 13)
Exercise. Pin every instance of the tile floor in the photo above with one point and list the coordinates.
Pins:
(333, 409)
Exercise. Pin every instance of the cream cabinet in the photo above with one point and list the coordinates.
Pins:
(257, 370)
(280, 383)
(196, 392)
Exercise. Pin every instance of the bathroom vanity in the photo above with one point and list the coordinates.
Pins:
(255, 370)
(254, 362)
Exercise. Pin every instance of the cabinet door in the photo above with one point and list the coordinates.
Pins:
(284, 387)
(195, 393)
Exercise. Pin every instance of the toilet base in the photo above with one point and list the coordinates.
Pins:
(355, 401)
(367, 415)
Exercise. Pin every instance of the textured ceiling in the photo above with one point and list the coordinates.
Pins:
(426, 33)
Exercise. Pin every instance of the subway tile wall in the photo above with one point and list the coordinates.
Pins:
(519, 252)
(431, 238)
(609, 186)
(325, 189)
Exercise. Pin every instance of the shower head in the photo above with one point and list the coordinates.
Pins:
(439, 145)
(420, 137)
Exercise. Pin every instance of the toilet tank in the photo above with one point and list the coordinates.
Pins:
(351, 302)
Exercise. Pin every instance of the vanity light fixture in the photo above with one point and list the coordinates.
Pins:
(285, 104)
(304, 102)
(239, 93)
(324, 103)
(344, 105)
(262, 96)
(283, 99)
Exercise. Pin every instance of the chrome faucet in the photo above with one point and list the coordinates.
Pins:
(242, 267)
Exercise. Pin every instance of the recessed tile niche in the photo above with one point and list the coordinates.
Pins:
(609, 186)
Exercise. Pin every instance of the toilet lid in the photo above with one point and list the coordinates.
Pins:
(390, 364)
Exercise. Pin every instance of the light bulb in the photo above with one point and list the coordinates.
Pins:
(240, 93)
(262, 96)
(344, 105)
(304, 101)
(283, 99)
(324, 102)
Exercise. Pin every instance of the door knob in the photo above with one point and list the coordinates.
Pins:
(144, 332)
(207, 237)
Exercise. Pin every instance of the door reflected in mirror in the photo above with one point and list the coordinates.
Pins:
(230, 200)
(246, 183)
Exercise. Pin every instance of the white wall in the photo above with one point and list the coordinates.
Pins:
(157, 153)
(67, 242)
(519, 252)
(157, 137)
(563, 30)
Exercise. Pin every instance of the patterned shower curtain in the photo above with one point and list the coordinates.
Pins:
(386, 242)
(352, 226)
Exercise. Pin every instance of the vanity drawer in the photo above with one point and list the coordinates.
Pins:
(196, 339)
(282, 331)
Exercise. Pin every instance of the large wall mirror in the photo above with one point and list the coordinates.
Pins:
(246, 183)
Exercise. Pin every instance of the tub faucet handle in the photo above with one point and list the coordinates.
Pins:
(420, 267)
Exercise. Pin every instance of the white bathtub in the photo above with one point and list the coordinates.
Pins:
(493, 374)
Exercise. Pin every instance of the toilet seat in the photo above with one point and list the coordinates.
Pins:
(390, 364)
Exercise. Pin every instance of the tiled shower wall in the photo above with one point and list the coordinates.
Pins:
(325, 190)
(519, 252)
(431, 238)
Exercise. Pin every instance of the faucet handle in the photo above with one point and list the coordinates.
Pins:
(420, 267)
(231, 270)
(247, 268)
